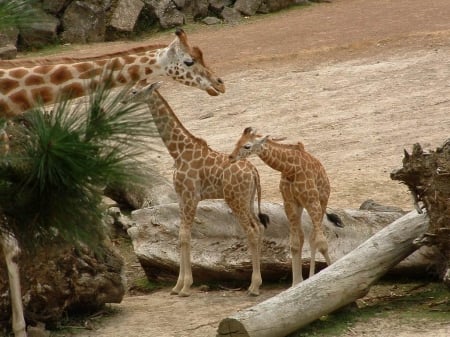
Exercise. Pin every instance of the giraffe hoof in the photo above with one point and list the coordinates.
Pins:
(174, 291)
(252, 293)
(184, 294)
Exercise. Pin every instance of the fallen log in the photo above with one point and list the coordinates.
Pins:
(342, 283)
(219, 247)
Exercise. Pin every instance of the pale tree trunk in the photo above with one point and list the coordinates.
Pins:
(342, 283)
(11, 252)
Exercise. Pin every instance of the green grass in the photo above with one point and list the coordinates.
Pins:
(407, 302)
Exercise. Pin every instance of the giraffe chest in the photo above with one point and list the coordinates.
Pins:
(202, 182)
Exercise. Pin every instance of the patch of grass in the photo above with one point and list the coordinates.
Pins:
(143, 285)
(405, 301)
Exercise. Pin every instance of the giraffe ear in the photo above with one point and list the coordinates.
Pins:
(182, 37)
(156, 85)
(263, 140)
(249, 131)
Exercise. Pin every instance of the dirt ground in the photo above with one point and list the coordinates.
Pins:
(357, 81)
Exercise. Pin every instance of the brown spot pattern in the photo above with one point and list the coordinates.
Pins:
(6, 85)
(72, 90)
(18, 73)
(20, 99)
(42, 95)
(133, 71)
(33, 79)
(60, 75)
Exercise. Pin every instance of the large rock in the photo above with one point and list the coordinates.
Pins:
(54, 6)
(231, 15)
(126, 14)
(85, 21)
(268, 6)
(59, 278)
(156, 190)
(168, 14)
(8, 52)
(199, 8)
(247, 7)
(40, 34)
(219, 245)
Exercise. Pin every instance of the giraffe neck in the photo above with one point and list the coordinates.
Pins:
(277, 156)
(173, 133)
(22, 88)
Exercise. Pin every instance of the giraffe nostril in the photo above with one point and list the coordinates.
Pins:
(220, 80)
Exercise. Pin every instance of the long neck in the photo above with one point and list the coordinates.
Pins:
(22, 88)
(276, 156)
(173, 133)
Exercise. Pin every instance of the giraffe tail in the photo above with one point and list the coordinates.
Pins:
(335, 219)
(264, 218)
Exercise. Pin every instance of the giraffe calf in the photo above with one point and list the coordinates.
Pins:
(203, 173)
(304, 185)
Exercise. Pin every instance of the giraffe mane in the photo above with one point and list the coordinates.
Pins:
(298, 146)
(9, 64)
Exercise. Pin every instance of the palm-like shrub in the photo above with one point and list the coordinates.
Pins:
(58, 163)
(18, 14)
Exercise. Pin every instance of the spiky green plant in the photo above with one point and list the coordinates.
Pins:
(52, 178)
(19, 14)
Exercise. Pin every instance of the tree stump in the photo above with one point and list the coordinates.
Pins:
(427, 175)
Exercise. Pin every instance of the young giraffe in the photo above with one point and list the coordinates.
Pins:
(202, 173)
(304, 184)
(23, 87)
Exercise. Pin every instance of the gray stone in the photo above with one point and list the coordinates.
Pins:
(268, 6)
(126, 14)
(54, 6)
(168, 14)
(9, 36)
(199, 9)
(211, 20)
(231, 15)
(8, 52)
(247, 7)
(216, 6)
(84, 22)
(40, 34)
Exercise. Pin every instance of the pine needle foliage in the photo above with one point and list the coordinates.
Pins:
(19, 14)
(52, 179)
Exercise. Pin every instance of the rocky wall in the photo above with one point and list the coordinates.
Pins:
(86, 21)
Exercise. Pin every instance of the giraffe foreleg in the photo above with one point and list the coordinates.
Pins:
(185, 279)
(11, 251)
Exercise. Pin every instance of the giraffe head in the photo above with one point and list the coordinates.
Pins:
(185, 64)
(141, 94)
(249, 143)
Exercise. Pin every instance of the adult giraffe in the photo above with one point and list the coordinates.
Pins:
(23, 87)
(304, 184)
(202, 173)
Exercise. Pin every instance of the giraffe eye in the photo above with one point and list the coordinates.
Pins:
(247, 146)
(189, 62)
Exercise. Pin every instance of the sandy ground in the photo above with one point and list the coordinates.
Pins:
(357, 81)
